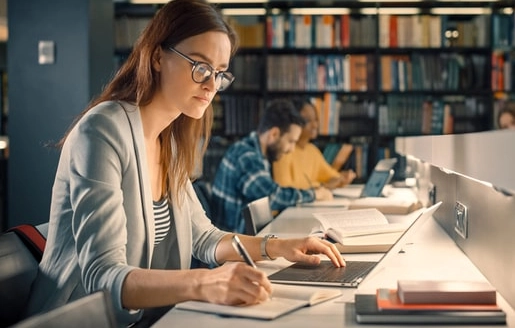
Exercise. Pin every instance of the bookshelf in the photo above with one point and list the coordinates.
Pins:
(375, 70)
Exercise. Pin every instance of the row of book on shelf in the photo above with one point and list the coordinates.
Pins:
(398, 115)
(445, 71)
(346, 30)
(333, 110)
(321, 72)
(346, 116)
(415, 115)
(238, 115)
(320, 31)
(356, 72)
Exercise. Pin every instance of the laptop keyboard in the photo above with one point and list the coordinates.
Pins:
(325, 272)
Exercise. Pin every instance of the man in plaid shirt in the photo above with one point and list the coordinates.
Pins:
(244, 173)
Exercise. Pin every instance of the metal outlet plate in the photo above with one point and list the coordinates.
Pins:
(461, 219)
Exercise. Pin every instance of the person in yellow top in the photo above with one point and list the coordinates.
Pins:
(305, 166)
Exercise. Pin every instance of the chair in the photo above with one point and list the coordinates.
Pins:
(92, 311)
(257, 214)
(21, 249)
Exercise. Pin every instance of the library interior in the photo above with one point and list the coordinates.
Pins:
(427, 83)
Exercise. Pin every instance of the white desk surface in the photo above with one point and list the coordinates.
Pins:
(432, 255)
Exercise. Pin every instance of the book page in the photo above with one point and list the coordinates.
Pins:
(388, 238)
(350, 218)
(311, 295)
(356, 223)
(270, 309)
(387, 205)
(365, 244)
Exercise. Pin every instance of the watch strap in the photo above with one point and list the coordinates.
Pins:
(264, 241)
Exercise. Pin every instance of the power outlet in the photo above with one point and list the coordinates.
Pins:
(461, 220)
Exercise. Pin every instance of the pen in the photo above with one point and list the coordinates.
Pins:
(240, 249)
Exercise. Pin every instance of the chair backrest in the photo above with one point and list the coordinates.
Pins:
(21, 249)
(92, 311)
(257, 214)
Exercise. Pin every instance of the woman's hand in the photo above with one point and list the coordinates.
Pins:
(346, 177)
(303, 250)
(234, 283)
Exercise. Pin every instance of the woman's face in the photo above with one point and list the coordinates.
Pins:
(506, 121)
(178, 92)
(310, 129)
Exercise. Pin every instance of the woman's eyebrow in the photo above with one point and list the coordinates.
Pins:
(207, 60)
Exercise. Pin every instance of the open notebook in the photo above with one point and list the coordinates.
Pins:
(284, 299)
(353, 273)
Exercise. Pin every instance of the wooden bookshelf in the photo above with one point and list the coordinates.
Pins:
(375, 70)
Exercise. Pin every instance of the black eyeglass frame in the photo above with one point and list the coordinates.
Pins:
(222, 75)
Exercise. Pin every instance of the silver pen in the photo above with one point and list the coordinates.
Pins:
(240, 249)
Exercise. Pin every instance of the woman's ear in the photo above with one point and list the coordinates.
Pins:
(156, 59)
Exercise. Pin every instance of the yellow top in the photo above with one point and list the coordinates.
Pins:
(303, 168)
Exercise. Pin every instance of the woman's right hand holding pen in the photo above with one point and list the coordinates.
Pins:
(234, 283)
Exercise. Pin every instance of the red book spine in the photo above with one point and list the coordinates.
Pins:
(393, 31)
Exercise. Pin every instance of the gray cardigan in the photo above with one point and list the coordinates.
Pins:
(101, 219)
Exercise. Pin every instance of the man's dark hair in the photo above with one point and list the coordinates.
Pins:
(280, 113)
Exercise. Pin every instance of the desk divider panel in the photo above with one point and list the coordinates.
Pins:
(490, 242)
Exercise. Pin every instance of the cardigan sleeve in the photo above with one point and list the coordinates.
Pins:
(97, 164)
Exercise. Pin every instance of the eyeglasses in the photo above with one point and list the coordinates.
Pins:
(201, 72)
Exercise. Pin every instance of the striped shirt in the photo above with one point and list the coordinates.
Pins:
(162, 220)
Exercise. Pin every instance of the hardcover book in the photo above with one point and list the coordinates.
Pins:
(446, 292)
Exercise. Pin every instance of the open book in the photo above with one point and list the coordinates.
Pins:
(360, 231)
(387, 205)
(285, 299)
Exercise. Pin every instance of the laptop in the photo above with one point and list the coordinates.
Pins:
(379, 178)
(354, 272)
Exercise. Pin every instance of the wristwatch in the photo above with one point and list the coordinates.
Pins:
(264, 254)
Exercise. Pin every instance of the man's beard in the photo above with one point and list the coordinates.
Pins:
(273, 152)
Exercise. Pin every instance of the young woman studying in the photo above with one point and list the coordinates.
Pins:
(124, 216)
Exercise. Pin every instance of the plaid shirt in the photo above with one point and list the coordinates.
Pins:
(244, 175)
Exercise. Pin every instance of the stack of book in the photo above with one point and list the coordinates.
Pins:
(431, 302)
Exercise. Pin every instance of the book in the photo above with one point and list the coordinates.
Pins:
(336, 202)
(285, 299)
(366, 311)
(446, 292)
(359, 231)
(388, 299)
(386, 205)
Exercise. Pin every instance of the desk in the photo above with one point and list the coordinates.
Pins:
(432, 254)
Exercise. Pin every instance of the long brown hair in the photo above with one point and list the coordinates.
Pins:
(136, 81)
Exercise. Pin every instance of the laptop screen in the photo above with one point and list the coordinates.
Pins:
(376, 182)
